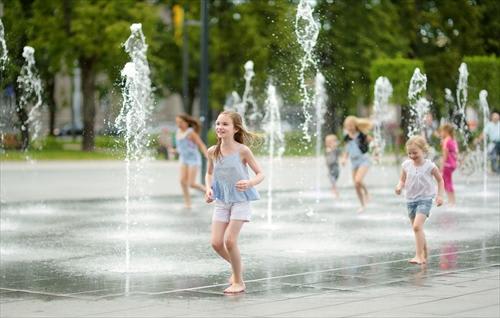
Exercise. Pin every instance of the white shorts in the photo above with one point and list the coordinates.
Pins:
(224, 212)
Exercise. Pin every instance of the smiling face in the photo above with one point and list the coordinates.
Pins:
(350, 126)
(331, 142)
(181, 123)
(415, 153)
(495, 117)
(224, 126)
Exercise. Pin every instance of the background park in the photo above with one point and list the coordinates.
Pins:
(92, 213)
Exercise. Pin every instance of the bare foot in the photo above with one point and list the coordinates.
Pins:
(235, 289)
(416, 260)
(361, 209)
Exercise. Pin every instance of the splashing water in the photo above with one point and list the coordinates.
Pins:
(134, 116)
(306, 31)
(382, 93)
(3, 48)
(449, 100)
(320, 98)
(30, 87)
(483, 102)
(247, 106)
(419, 105)
(461, 101)
(275, 141)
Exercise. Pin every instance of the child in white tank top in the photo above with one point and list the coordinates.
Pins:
(417, 178)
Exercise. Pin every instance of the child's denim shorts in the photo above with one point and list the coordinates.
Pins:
(419, 206)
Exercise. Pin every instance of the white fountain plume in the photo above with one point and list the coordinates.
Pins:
(483, 102)
(461, 102)
(134, 116)
(275, 141)
(320, 99)
(3, 49)
(246, 106)
(382, 93)
(450, 104)
(419, 105)
(30, 86)
(306, 31)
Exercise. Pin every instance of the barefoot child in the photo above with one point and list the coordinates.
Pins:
(449, 148)
(416, 178)
(229, 184)
(189, 144)
(332, 154)
(356, 147)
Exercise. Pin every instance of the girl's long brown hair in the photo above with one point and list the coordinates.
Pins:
(242, 135)
(191, 121)
(449, 129)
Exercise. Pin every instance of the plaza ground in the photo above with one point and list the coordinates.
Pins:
(62, 247)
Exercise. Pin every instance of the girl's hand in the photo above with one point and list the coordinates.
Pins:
(439, 200)
(243, 185)
(343, 161)
(209, 195)
(398, 189)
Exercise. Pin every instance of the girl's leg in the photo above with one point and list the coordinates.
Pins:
(217, 239)
(335, 191)
(192, 171)
(451, 198)
(420, 243)
(231, 242)
(184, 185)
(361, 190)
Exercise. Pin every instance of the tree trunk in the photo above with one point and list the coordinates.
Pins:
(88, 91)
(51, 83)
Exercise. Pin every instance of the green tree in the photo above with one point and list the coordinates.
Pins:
(354, 34)
(91, 33)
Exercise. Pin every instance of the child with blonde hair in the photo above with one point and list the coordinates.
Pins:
(229, 184)
(416, 177)
(332, 154)
(357, 144)
(449, 148)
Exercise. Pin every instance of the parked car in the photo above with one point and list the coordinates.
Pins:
(68, 130)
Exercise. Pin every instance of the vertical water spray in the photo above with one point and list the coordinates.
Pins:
(30, 86)
(306, 31)
(419, 105)
(4, 110)
(275, 141)
(3, 50)
(483, 102)
(247, 106)
(461, 102)
(134, 117)
(320, 98)
(449, 101)
(382, 93)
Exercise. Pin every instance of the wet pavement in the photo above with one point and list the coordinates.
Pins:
(62, 253)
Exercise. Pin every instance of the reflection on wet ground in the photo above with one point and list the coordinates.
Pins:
(76, 249)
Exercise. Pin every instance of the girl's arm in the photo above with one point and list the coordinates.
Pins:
(401, 183)
(444, 147)
(208, 177)
(439, 180)
(343, 158)
(248, 157)
(197, 140)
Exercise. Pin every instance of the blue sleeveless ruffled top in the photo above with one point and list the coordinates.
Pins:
(227, 171)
